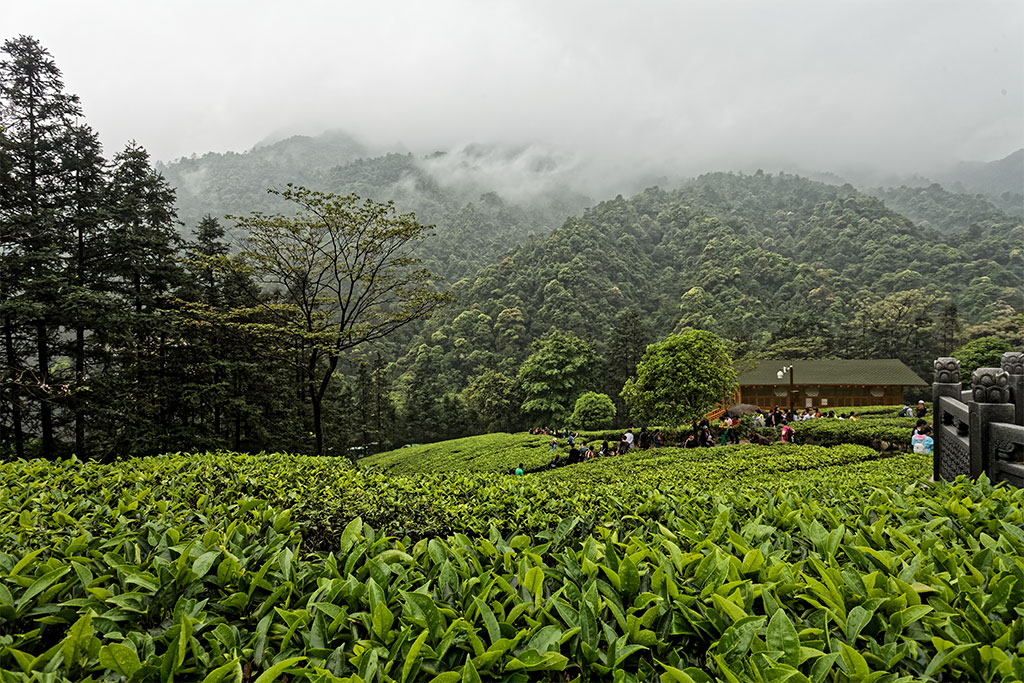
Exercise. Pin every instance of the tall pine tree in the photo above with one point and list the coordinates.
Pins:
(36, 115)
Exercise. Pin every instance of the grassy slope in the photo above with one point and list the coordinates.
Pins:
(498, 452)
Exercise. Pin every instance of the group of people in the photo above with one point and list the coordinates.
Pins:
(725, 431)
(580, 451)
(779, 417)
(921, 440)
(918, 412)
(728, 432)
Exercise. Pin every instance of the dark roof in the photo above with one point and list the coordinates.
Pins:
(888, 371)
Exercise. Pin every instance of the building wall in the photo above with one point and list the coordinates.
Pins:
(825, 396)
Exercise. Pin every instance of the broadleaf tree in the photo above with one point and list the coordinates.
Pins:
(554, 376)
(680, 379)
(983, 352)
(493, 399)
(593, 411)
(344, 276)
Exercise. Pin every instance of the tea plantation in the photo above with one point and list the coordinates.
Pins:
(433, 563)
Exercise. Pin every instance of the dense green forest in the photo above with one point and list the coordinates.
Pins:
(779, 265)
(132, 323)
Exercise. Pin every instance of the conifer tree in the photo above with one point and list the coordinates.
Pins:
(143, 270)
(86, 302)
(36, 115)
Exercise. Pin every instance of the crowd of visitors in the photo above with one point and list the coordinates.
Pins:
(705, 434)
(580, 450)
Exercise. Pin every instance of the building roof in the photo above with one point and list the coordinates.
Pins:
(887, 371)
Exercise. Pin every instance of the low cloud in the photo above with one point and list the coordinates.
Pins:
(660, 87)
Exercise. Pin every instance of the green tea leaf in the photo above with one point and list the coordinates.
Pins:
(227, 673)
(76, 643)
(41, 584)
(275, 671)
(120, 659)
(424, 613)
(782, 636)
(414, 652)
(350, 535)
(203, 563)
(493, 632)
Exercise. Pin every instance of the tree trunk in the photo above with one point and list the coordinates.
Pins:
(316, 395)
(238, 415)
(45, 409)
(218, 378)
(77, 402)
(162, 386)
(15, 388)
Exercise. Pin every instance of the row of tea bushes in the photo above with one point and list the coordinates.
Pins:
(725, 467)
(502, 453)
(163, 569)
(499, 452)
(869, 432)
(325, 493)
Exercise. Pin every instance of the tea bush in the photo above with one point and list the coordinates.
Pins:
(797, 563)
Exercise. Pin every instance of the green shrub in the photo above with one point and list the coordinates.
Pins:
(200, 567)
(593, 411)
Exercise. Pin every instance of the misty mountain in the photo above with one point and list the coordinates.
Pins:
(988, 185)
(984, 185)
(236, 183)
(990, 178)
(937, 208)
(482, 200)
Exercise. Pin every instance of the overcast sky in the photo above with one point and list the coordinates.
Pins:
(715, 84)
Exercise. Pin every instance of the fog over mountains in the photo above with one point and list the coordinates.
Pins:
(652, 89)
(527, 174)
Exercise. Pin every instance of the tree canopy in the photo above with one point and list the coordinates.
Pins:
(983, 352)
(554, 375)
(680, 379)
(593, 411)
(343, 276)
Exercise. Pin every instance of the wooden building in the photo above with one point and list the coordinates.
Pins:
(827, 384)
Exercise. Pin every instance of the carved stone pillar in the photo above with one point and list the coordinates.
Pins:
(1013, 364)
(990, 396)
(947, 383)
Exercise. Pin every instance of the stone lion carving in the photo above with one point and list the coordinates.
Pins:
(1013, 362)
(990, 385)
(947, 370)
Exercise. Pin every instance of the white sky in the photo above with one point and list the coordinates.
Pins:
(716, 83)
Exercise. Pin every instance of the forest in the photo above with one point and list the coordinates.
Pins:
(134, 321)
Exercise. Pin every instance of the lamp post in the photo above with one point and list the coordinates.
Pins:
(782, 373)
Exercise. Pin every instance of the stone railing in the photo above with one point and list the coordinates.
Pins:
(981, 429)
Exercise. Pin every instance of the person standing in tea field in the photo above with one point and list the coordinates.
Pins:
(786, 433)
(923, 442)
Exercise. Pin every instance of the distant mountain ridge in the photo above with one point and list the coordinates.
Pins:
(990, 178)
(485, 200)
